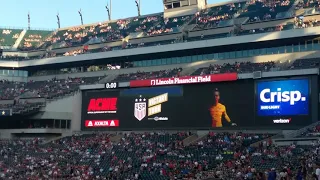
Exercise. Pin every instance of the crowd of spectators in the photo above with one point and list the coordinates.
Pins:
(240, 31)
(34, 39)
(45, 89)
(9, 36)
(116, 30)
(57, 87)
(140, 75)
(135, 156)
(211, 17)
(308, 4)
(201, 23)
(268, 161)
(158, 155)
(300, 23)
(54, 87)
(258, 10)
(49, 89)
(74, 52)
(128, 45)
(148, 25)
(305, 63)
(239, 67)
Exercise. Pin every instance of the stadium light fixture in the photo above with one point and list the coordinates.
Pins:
(138, 7)
(108, 10)
(80, 13)
(58, 20)
(28, 20)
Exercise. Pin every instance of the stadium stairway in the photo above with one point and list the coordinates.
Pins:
(187, 26)
(305, 12)
(20, 38)
(294, 5)
(186, 71)
(117, 138)
(109, 78)
(59, 108)
(33, 108)
(54, 139)
(296, 133)
(188, 140)
(256, 144)
(48, 100)
(196, 140)
(245, 7)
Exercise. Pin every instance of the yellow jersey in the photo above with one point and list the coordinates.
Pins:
(216, 112)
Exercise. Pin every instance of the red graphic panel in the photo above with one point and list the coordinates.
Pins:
(101, 123)
(102, 105)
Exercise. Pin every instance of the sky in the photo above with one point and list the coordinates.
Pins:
(14, 13)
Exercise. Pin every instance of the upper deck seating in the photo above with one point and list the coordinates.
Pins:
(263, 11)
(9, 36)
(33, 39)
(242, 67)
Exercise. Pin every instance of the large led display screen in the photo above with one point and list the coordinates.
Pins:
(212, 105)
(283, 97)
(283, 102)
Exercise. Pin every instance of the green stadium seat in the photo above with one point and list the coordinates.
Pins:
(8, 37)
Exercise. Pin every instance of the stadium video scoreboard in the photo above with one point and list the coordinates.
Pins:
(179, 102)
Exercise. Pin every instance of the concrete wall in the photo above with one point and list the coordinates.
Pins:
(297, 141)
(33, 100)
(65, 76)
(9, 133)
(182, 11)
(68, 108)
(76, 112)
(6, 102)
(16, 79)
(57, 109)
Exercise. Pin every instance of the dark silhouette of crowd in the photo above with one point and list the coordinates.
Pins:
(155, 156)
(305, 63)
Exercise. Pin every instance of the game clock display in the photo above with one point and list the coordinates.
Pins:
(112, 85)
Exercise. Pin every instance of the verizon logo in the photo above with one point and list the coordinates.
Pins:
(282, 121)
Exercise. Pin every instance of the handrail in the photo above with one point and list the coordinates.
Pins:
(24, 28)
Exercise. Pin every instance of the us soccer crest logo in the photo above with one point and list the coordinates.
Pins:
(140, 108)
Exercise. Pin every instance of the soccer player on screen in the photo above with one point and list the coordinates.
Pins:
(218, 110)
